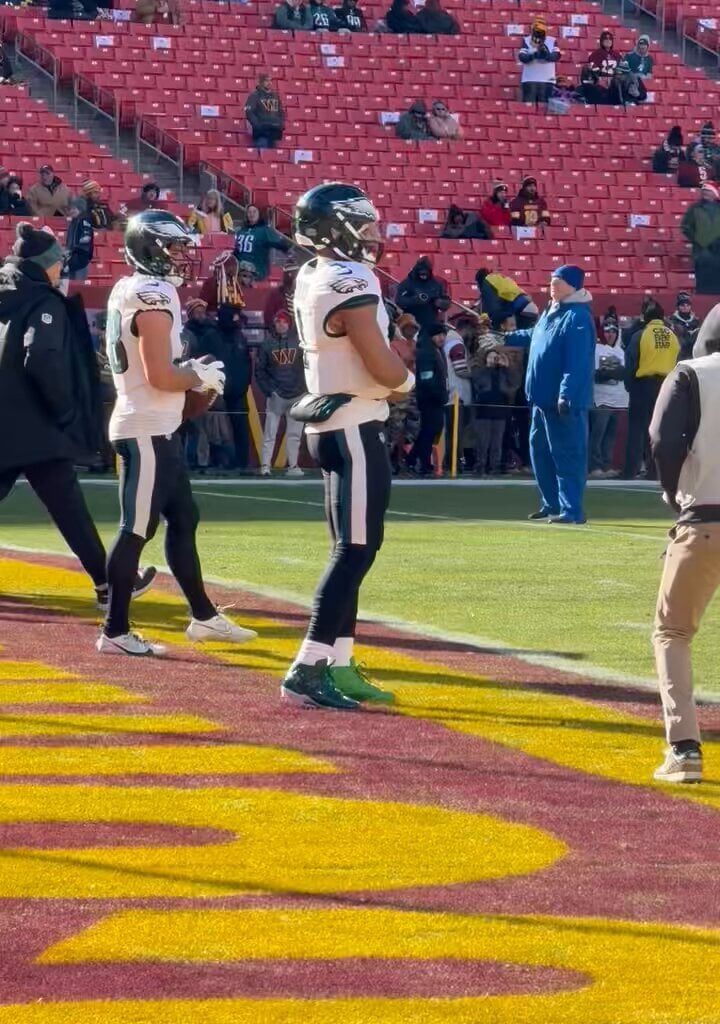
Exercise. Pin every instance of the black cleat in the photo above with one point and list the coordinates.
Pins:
(542, 513)
(144, 580)
(312, 686)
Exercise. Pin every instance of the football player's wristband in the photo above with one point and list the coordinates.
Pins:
(407, 385)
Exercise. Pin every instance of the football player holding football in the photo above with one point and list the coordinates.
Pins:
(144, 350)
(350, 372)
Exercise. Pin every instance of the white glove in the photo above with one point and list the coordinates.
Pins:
(212, 375)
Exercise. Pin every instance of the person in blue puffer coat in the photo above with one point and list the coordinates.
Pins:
(559, 386)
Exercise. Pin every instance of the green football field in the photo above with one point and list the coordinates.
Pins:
(461, 560)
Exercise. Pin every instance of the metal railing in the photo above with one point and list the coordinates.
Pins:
(235, 193)
(102, 101)
(164, 144)
(41, 59)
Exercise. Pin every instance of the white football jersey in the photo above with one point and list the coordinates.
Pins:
(140, 409)
(332, 365)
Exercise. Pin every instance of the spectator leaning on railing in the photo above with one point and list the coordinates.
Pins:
(538, 56)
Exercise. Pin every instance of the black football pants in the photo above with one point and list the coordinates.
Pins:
(357, 477)
(56, 484)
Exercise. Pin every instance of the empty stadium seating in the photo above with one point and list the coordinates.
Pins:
(185, 88)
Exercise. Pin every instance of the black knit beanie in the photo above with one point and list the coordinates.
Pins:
(37, 246)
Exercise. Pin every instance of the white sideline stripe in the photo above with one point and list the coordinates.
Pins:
(588, 670)
(631, 486)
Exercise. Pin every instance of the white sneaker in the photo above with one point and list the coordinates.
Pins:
(265, 471)
(597, 474)
(219, 629)
(129, 643)
(294, 471)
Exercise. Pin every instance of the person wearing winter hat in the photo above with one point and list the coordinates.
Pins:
(280, 376)
(12, 200)
(667, 156)
(694, 171)
(710, 146)
(528, 208)
(684, 324)
(701, 227)
(639, 60)
(610, 396)
(99, 213)
(148, 199)
(79, 241)
(538, 56)
(50, 400)
(413, 124)
(559, 386)
(49, 196)
(421, 292)
(495, 210)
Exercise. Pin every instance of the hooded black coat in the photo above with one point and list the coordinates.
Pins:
(419, 297)
(50, 401)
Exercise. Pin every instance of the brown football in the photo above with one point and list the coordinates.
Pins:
(197, 403)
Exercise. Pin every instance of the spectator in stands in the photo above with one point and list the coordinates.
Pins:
(528, 209)
(401, 18)
(293, 15)
(6, 68)
(209, 437)
(441, 123)
(404, 422)
(694, 171)
(495, 211)
(350, 17)
(209, 216)
(603, 62)
(97, 209)
(628, 87)
(246, 275)
(639, 60)
(435, 21)
(158, 12)
(464, 224)
(413, 124)
(324, 17)
(79, 241)
(651, 354)
(149, 199)
(264, 111)
(684, 324)
(280, 376)
(281, 298)
(458, 374)
(255, 240)
(238, 375)
(421, 292)
(701, 227)
(667, 157)
(501, 297)
(494, 385)
(49, 197)
(12, 200)
(431, 392)
(538, 56)
(711, 148)
(610, 397)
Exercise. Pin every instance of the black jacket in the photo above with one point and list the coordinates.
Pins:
(222, 340)
(431, 376)
(492, 387)
(351, 18)
(14, 204)
(50, 404)
(420, 297)
(79, 242)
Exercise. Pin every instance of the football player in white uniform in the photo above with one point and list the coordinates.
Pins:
(144, 350)
(350, 371)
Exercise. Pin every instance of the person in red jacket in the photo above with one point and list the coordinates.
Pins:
(495, 211)
(528, 209)
(603, 63)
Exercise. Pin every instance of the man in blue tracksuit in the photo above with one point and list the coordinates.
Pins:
(559, 386)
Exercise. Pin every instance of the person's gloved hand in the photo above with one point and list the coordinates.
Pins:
(212, 375)
(563, 407)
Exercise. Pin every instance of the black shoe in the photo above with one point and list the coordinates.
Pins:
(542, 513)
(564, 520)
(312, 686)
(144, 580)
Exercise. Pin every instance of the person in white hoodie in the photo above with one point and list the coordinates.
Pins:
(610, 397)
(538, 56)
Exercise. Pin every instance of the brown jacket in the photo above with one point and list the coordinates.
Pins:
(49, 202)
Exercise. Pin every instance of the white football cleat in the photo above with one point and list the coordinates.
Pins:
(129, 643)
(265, 471)
(294, 471)
(220, 630)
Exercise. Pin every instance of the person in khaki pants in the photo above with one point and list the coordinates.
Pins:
(683, 436)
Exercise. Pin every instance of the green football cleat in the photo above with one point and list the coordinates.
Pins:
(312, 686)
(353, 682)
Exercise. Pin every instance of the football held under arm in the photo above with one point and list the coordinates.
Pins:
(153, 330)
(359, 324)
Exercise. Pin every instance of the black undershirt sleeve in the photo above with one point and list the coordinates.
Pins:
(674, 425)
